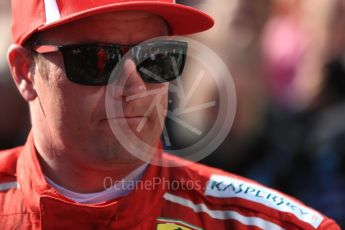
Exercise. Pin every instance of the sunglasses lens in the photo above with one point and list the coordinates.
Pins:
(90, 64)
(157, 62)
(161, 61)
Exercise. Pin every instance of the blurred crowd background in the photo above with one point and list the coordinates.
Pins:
(287, 58)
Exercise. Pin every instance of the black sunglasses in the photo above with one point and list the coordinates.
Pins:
(92, 64)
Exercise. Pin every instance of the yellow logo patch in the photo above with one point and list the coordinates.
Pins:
(170, 226)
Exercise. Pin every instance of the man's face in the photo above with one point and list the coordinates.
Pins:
(74, 116)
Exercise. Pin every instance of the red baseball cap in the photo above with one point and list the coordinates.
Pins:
(30, 16)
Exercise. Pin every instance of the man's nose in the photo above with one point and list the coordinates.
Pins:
(129, 82)
(132, 82)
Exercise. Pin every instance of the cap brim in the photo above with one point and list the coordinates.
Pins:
(182, 19)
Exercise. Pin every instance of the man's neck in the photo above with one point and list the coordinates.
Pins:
(85, 179)
(78, 176)
(77, 168)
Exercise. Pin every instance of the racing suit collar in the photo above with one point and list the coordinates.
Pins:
(48, 205)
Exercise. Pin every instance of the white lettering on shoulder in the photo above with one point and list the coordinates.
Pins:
(227, 187)
(223, 214)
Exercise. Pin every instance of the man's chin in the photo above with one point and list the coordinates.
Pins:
(124, 142)
(110, 158)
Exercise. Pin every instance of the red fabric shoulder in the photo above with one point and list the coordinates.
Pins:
(8, 164)
(225, 192)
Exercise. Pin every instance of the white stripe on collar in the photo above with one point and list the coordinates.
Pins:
(119, 189)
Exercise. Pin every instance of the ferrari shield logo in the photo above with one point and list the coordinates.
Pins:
(171, 227)
(173, 224)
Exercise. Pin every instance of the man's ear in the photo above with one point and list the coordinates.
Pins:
(20, 61)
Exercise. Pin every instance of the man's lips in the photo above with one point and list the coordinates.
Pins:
(138, 122)
(132, 117)
(126, 117)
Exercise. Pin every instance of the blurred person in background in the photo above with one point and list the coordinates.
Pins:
(14, 119)
(237, 39)
(303, 147)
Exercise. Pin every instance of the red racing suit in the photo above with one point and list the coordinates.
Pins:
(179, 198)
